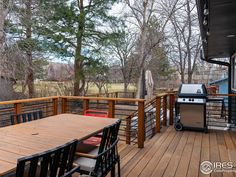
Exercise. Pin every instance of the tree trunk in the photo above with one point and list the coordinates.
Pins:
(99, 90)
(141, 85)
(3, 14)
(141, 79)
(30, 72)
(189, 52)
(78, 65)
(126, 84)
(182, 77)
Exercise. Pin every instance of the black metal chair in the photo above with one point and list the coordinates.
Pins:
(102, 160)
(25, 117)
(57, 162)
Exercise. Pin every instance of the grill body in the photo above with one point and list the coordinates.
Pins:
(191, 107)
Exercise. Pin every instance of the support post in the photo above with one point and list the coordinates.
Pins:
(141, 124)
(111, 107)
(164, 110)
(128, 130)
(85, 105)
(18, 110)
(171, 107)
(64, 105)
(55, 106)
(158, 114)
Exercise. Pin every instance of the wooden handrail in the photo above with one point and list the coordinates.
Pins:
(70, 97)
(28, 100)
(104, 98)
(54, 100)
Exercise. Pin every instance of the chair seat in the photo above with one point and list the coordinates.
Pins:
(87, 164)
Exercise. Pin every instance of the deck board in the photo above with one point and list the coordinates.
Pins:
(178, 154)
(173, 164)
(158, 154)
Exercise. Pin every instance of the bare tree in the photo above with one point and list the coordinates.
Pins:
(3, 14)
(4, 9)
(21, 31)
(141, 12)
(123, 48)
(184, 41)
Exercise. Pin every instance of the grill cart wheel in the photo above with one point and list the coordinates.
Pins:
(178, 126)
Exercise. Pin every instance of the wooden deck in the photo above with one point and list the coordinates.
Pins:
(178, 154)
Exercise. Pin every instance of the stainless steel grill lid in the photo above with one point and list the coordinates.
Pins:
(192, 90)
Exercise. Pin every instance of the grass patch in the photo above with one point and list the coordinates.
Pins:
(51, 88)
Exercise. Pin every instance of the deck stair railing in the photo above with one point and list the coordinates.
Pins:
(217, 112)
(158, 112)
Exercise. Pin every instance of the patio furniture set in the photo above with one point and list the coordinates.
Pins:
(59, 146)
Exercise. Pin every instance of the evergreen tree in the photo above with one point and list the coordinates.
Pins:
(76, 29)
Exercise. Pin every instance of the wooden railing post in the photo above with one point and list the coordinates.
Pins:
(64, 105)
(141, 124)
(158, 114)
(171, 107)
(164, 107)
(85, 105)
(111, 107)
(55, 106)
(18, 110)
(128, 130)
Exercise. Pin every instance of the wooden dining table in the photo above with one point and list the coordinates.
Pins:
(33, 137)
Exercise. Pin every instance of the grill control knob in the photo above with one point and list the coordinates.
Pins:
(183, 99)
(192, 99)
(189, 99)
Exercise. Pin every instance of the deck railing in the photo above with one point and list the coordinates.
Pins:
(220, 111)
(140, 120)
(217, 112)
(47, 105)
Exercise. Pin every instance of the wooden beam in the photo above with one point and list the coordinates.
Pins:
(141, 125)
(18, 110)
(104, 98)
(85, 105)
(64, 105)
(128, 130)
(158, 114)
(171, 107)
(28, 100)
(111, 106)
(55, 106)
(164, 110)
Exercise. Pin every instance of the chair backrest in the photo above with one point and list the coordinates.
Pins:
(53, 163)
(96, 113)
(107, 150)
(25, 117)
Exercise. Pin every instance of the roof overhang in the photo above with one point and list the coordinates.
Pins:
(218, 27)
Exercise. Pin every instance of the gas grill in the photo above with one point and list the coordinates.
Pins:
(191, 107)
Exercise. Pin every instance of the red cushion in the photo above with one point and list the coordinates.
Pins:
(93, 141)
(96, 113)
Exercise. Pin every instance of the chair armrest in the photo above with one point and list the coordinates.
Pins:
(113, 146)
(99, 155)
(69, 173)
(86, 155)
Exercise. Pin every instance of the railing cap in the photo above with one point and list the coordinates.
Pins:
(28, 100)
(104, 98)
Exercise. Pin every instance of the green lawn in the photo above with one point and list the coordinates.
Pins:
(51, 88)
